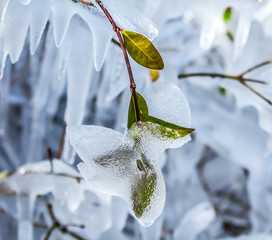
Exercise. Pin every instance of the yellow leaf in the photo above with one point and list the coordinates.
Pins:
(142, 50)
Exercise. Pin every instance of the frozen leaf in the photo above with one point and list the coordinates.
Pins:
(154, 74)
(157, 127)
(115, 164)
(4, 174)
(162, 128)
(128, 165)
(142, 50)
(132, 111)
(227, 15)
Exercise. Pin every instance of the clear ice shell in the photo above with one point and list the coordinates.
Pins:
(114, 165)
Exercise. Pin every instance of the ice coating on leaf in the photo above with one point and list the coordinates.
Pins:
(130, 18)
(166, 101)
(118, 165)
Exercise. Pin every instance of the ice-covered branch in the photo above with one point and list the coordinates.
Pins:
(240, 78)
(62, 228)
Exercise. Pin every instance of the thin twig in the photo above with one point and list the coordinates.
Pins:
(49, 232)
(57, 225)
(239, 78)
(115, 42)
(218, 75)
(50, 157)
(257, 93)
(62, 139)
(256, 67)
(117, 31)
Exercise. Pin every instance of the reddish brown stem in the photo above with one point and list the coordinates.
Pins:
(61, 144)
(118, 30)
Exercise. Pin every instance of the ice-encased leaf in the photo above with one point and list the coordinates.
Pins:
(130, 18)
(166, 101)
(227, 14)
(91, 142)
(115, 164)
(132, 110)
(160, 128)
(157, 127)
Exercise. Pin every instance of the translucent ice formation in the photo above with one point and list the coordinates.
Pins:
(128, 166)
(73, 202)
(36, 13)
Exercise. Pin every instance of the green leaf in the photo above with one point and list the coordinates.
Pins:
(159, 128)
(163, 128)
(222, 91)
(142, 50)
(142, 191)
(230, 36)
(227, 15)
(4, 174)
(132, 111)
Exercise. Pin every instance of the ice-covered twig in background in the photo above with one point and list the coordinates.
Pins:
(62, 141)
(58, 226)
(240, 78)
(122, 45)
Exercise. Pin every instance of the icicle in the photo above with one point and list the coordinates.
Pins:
(40, 101)
(13, 40)
(4, 93)
(25, 206)
(3, 57)
(79, 71)
(208, 29)
(208, 32)
(62, 12)
(39, 14)
(101, 36)
(3, 8)
(269, 147)
(241, 35)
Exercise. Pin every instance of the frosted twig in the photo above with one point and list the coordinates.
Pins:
(50, 157)
(257, 93)
(256, 67)
(207, 155)
(61, 144)
(240, 78)
(218, 75)
(62, 228)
